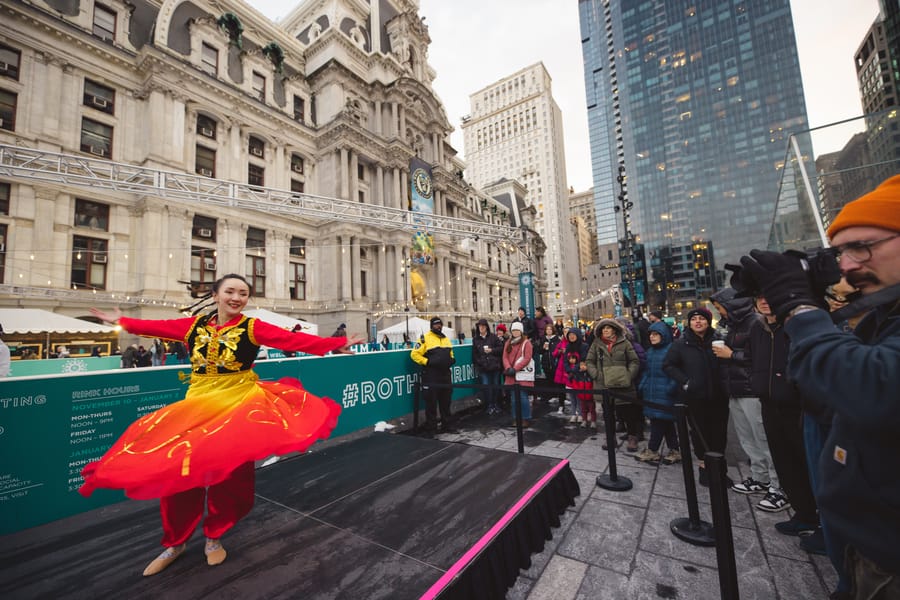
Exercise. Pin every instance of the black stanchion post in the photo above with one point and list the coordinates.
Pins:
(611, 481)
(515, 399)
(691, 529)
(417, 394)
(721, 513)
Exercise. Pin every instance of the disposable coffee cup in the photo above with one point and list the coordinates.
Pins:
(486, 348)
(718, 343)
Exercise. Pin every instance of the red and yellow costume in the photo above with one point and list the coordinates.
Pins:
(227, 420)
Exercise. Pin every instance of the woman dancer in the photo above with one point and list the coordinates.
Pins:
(200, 451)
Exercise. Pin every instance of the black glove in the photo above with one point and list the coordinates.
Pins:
(510, 372)
(784, 280)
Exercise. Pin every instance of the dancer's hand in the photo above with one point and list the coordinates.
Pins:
(352, 340)
(107, 317)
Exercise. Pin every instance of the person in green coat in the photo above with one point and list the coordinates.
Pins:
(614, 365)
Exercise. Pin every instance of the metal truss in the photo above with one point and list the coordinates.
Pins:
(30, 164)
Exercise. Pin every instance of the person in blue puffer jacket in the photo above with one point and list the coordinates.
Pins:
(659, 388)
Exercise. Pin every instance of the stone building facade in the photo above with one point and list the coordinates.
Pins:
(334, 101)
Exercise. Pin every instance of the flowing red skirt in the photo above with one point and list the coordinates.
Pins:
(223, 422)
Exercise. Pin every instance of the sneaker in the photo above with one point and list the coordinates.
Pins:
(814, 543)
(750, 486)
(573, 419)
(674, 456)
(793, 526)
(647, 455)
(775, 501)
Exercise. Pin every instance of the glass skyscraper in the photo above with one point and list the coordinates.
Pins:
(696, 99)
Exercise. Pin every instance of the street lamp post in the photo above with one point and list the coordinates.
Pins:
(405, 274)
(625, 208)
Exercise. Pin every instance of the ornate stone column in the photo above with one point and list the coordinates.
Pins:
(346, 290)
(345, 167)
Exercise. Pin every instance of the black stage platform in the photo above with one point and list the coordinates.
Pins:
(384, 516)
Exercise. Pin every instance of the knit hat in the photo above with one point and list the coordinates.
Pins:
(436, 321)
(501, 327)
(701, 312)
(517, 326)
(878, 208)
(482, 322)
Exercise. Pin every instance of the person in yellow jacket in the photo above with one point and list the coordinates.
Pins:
(434, 352)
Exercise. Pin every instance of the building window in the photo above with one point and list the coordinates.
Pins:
(298, 281)
(91, 214)
(299, 107)
(297, 186)
(297, 163)
(9, 63)
(363, 291)
(96, 137)
(205, 162)
(204, 228)
(99, 97)
(2, 252)
(206, 126)
(256, 261)
(209, 59)
(8, 110)
(256, 175)
(203, 269)
(256, 147)
(298, 247)
(4, 198)
(259, 86)
(104, 22)
(360, 172)
(89, 260)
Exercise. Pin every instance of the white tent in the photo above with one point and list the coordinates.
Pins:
(417, 327)
(282, 321)
(35, 320)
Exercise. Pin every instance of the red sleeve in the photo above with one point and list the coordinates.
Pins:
(170, 329)
(267, 334)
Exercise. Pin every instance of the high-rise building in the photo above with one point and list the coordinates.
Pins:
(695, 101)
(581, 204)
(514, 131)
(878, 75)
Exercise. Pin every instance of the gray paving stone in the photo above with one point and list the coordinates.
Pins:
(657, 537)
(825, 571)
(642, 483)
(560, 580)
(603, 584)
(796, 579)
(605, 534)
(551, 449)
(587, 484)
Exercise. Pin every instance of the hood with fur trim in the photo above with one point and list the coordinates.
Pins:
(620, 330)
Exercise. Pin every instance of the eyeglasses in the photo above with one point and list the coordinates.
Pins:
(860, 252)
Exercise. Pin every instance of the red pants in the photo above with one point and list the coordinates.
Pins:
(226, 502)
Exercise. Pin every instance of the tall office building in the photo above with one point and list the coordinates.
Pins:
(514, 131)
(696, 101)
(878, 74)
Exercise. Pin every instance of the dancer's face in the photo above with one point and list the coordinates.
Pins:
(231, 298)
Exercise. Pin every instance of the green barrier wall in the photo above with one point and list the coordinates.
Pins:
(61, 366)
(51, 426)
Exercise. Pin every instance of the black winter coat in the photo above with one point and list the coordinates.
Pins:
(484, 362)
(736, 371)
(769, 346)
(690, 361)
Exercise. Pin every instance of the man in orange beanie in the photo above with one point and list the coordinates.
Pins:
(858, 375)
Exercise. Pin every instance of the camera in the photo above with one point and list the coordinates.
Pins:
(820, 265)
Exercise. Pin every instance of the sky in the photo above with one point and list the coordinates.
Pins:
(477, 42)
